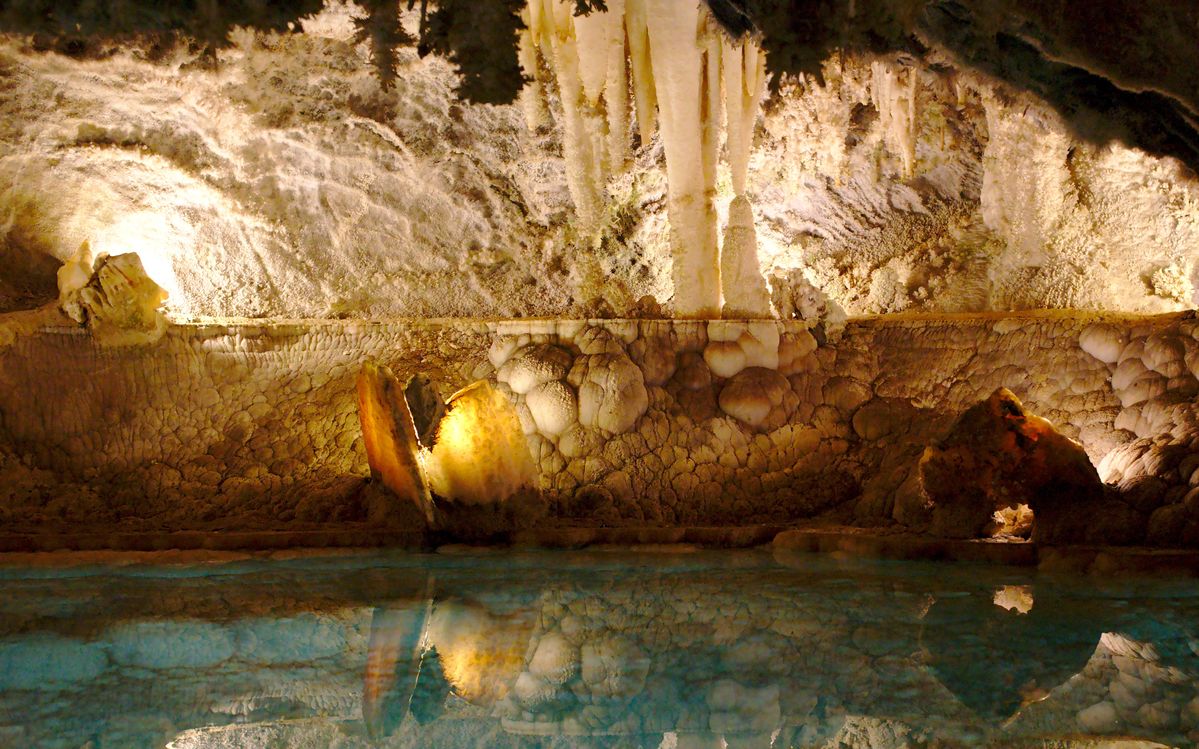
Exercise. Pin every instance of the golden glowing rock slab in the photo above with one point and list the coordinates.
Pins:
(480, 456)
(392, 447)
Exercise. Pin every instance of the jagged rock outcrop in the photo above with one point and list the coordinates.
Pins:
(113, 296)
(998, 456)
(390, 438)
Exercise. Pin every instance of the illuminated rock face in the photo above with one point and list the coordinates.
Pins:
(998, 456)
(480, 457)
(283, 183)
(474, 456)
(263, 422)
(113, 297)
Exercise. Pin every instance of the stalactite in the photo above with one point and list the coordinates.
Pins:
(616, 91)
(532, 96)
(685, 74)
(744, 81)
(893, 91)
(642, 67)
(584, 174)
(679, 72)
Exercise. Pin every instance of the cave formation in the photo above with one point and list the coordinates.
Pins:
(731, 264)
(571, 292)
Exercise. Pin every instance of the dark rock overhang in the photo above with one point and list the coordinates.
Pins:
(1120, 70)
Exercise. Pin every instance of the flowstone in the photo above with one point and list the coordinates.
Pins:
(467, 470)
(389, 434)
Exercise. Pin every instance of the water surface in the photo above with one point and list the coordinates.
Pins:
(596, 649)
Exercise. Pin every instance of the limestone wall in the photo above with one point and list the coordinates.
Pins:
(629, 421)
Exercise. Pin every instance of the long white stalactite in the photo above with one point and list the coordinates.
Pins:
(688, 78)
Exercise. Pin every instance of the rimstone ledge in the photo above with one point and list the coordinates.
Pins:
(251, 428)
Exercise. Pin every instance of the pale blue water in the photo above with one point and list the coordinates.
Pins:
(599, 649)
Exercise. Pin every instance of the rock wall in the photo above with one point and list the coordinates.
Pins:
(282, 182)
(628, 421)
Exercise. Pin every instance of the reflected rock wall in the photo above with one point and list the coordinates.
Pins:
(592, 650)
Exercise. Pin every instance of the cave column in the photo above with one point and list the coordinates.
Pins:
(678, 39)
(744, 289)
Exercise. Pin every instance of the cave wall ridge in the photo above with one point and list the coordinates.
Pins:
(629, 422)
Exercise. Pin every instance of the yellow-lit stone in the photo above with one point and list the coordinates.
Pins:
(390, 436)
(480, 456)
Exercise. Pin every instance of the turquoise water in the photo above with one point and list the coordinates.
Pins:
(597, 649)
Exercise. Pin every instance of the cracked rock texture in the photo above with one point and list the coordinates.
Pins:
(223, 426)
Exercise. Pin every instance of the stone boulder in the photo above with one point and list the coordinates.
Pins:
(997, 456)
(114, 297)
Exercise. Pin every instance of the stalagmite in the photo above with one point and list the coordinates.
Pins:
(745, 293)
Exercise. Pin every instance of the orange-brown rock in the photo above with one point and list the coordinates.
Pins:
(997, 455)
(390, 436)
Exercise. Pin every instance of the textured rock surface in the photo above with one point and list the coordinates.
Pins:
(996, 457)
(114, 298)
(893, 185)
(256, 426)
(390, 439)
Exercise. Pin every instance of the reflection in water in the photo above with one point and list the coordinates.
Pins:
(997, 659)
(580, 650)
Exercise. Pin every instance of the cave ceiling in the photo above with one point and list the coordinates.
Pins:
(1116, 70)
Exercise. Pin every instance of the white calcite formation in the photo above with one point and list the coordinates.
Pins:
(1154, 373)
(113, 296)
(282, 182)
(698, 79)
(745, 293)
